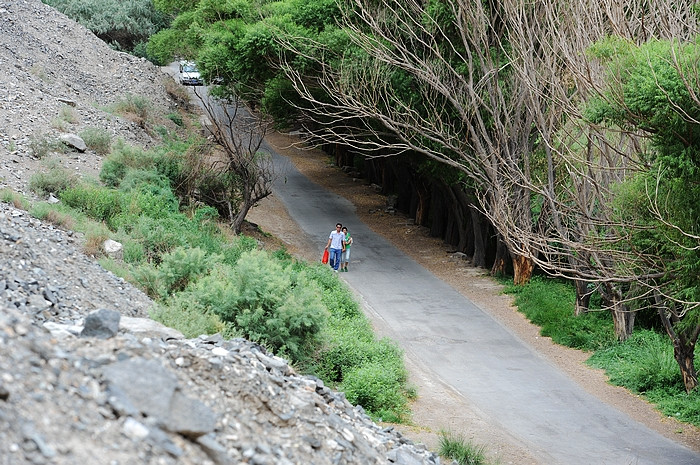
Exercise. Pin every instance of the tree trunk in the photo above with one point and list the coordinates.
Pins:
(583, 297)
(500, 263)
(422, 207)
(623, 318)
(522, 269)
(683, 340)
(684, 353)
(479, 257)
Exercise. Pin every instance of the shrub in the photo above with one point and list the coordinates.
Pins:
(376, 388)
(233, 250)
(642, 363)
(67, 114)
(263, 301)
(133, 253)
(187, 318)
(181, 266)
(135, 107)
(53, 181)
(96, 202)
(50, 213)
(40, 146)
(122, 158)
(176, 118)
(97, 139)
(146, 276)
(549, 303)
(156, 236)
(12, 197)
(95, 235)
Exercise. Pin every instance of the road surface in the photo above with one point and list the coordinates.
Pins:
(464, 347)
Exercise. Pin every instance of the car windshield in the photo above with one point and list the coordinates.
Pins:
(189, 68)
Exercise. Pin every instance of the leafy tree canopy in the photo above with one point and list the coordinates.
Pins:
(123, 24)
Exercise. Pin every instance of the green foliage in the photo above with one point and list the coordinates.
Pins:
(461, 450)
(677, 404)
(549, 304)
(645, 365)
(176, 118)
(136, 106)
(121, 24)
(144, 166)
(642, 363)
(374, 387)
(181, 266)
(97, 139)
(97, 202)
(54, 180)
(265, 302)
(12, 197)
(190, 320)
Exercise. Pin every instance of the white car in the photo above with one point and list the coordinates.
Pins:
(189, 74)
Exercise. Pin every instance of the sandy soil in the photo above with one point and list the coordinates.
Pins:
(438, 407)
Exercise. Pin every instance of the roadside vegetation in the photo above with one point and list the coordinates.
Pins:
(643, 363)
(461, 450)
(205, 280)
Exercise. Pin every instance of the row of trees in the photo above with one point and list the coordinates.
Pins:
(572, 125)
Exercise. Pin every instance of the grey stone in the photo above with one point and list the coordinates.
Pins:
(73, 141)
(145, 327)
(189, 417)
(141, 385)
(101, 324)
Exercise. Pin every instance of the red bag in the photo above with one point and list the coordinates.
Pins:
(324, 259)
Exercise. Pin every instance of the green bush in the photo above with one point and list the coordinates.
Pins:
(181, 266)
(265, 302)
(55, 180)
(642, 363)
(176, 118)
(377, 389)
(146, 276)
(123, 158)
(350, 343)
(133, 252)
(40, 145)
(96, 202)
(188, 319)
(136, 105)
(97, 139)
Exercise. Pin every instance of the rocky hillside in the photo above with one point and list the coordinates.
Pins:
(85, 376)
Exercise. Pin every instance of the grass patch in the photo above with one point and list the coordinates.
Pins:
(462, 451)
(97, 139)
(52, 214)
(41, 145)
(549, 304)
(52, 181)
(15, 199)
(644, 363)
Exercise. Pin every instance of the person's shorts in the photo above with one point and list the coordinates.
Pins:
(346, 254)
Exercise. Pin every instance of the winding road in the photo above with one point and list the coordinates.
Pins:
(465, 348)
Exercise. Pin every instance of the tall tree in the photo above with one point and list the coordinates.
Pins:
(241, 175)
(654, 90)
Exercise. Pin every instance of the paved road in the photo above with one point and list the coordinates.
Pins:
(557, 421)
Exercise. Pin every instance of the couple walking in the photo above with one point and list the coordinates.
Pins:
(338, 245)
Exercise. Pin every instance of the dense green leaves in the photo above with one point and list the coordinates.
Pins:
(121, 23)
